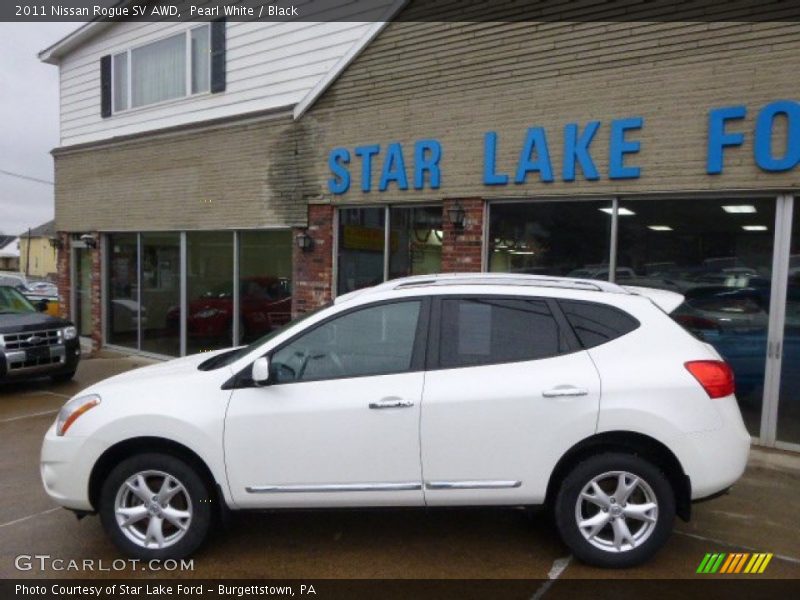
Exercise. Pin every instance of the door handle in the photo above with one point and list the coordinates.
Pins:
(565, 391)
(391, 403)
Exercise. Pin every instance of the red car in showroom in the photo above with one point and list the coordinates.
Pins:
(265, 304)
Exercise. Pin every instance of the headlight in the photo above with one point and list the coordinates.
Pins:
(70, 333)
(73, 409)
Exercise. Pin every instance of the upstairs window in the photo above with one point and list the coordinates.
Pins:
(170, 68)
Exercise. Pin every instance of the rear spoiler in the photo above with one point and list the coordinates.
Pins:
(663, 299)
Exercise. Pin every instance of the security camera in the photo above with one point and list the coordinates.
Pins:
(89, 240)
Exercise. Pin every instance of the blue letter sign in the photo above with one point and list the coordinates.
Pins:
(763, 144)
(576, 150)
(340, 182)
(718, 138)
(619, 147)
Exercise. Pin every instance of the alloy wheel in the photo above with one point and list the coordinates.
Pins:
(153, 509)
(616, 511)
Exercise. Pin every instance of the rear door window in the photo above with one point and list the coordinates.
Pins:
(596, 323)
(486, 330)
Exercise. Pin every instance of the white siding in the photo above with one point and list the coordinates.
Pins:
(269, 65)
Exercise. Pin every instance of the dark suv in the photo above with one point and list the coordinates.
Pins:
(33, 344)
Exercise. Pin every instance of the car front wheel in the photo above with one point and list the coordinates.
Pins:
(155, 506)
(615, 510)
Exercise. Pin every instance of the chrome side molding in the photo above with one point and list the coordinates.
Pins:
(484, 484)
(335, 487)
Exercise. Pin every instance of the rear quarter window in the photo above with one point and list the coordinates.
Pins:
(595, 323)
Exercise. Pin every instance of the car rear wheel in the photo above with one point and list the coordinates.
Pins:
(615, 510)
(155, 506)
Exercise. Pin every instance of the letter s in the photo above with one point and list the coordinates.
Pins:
(337, 159)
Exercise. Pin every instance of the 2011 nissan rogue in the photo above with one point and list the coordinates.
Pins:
(444, 390)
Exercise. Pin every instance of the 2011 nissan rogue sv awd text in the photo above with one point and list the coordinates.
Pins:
(444, 390)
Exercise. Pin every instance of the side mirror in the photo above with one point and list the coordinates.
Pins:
(261, 371)
(41, 306)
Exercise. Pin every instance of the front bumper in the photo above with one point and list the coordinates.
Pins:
(66, 466)
(60, 359)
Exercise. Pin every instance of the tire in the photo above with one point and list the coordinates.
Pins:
(621, 538)
(183, 516)
(63, 377)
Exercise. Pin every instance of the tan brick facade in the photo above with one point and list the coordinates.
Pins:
(453, 82)
(232, 176)
(456, 81)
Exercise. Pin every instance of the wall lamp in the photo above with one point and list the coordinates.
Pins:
(89, 240)
(456, 215)
(304, 241)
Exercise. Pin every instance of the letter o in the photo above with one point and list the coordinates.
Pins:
(763, 136)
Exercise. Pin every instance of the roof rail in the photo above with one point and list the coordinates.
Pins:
(447, 279)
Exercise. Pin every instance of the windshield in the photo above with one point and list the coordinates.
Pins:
(12, 302)
(231, 356)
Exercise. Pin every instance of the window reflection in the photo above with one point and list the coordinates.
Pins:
(551, 238)
(415, 241)
(718, 254)
(361, 248)
(209, 318)
(789, 396)
(160, 272)
(123, 291)
(265, 282)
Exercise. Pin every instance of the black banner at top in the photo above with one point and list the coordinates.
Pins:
(401, 10)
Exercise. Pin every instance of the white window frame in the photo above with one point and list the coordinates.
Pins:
(188, 75)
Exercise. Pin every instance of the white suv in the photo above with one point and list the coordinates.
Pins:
(437, 390)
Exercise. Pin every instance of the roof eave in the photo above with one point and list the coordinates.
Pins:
(323, 84)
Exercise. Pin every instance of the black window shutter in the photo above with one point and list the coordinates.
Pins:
(217, 56)
(105, 86)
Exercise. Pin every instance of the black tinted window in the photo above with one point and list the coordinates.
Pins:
(596, 324)
(480, 331)
(371, 341)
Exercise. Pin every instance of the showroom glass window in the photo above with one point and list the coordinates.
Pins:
(415, 241)
(376, 340)
(551, 238)
(368, 253)
(789, 395)
(123, 290)
(718, 254)
(209, 290)
(265, 282)
(161, 300)
(361, 247)
(162, 70)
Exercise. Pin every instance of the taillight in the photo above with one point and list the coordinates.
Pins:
(715, 376)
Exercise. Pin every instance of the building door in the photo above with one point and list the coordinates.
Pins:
(82, 294)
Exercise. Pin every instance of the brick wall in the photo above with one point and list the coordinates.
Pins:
(62, 276)
(313, 269)
(461, 249)
(96, 295)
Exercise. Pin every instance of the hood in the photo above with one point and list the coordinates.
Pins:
(15, 323)
(171, 369)
(665, 300)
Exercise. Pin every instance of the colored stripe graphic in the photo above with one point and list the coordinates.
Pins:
(720, 562)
